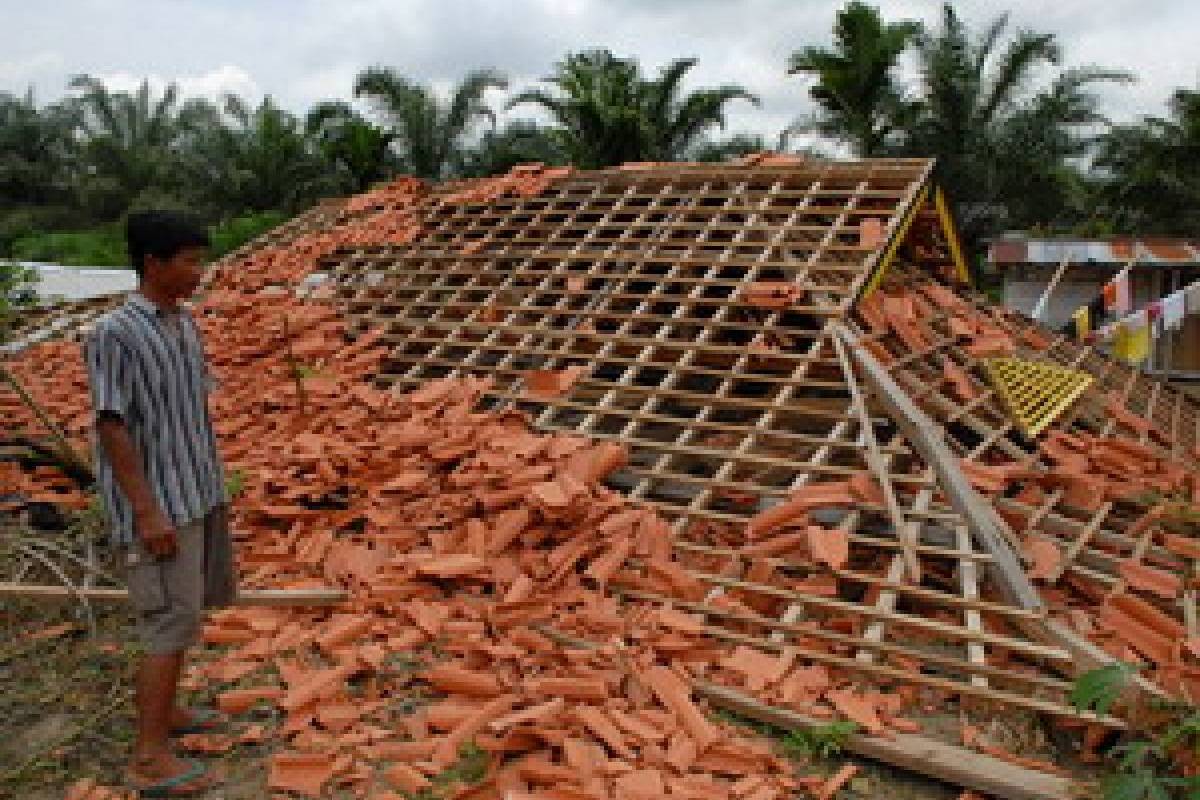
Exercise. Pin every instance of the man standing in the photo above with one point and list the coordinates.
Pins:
(162, 482)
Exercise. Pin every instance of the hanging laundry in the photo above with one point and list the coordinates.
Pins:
(1109, 296)
(1193, 298)
(1081, 317)
(1131, 343)
(1124, 293)
(1174, 308)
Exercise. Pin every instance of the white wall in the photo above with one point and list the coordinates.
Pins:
(81, 283)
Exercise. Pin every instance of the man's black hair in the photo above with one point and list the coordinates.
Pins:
(161, 234)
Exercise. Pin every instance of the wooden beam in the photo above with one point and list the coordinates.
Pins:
(929, 441)
(246, 597)
(946, 762)
(910, 751)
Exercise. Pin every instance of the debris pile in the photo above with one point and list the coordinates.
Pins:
(517, 629)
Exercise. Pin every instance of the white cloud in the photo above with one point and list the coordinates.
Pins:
(303, 51)
(19, 73)
(212, 84)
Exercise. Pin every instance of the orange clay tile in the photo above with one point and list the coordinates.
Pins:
(406, 779)
(551, 383)
(1136, 634)
(455, 679)
(860, 708)
(828, 546)
(235, 701)
(303, 773)
(1148, 579)
(772, 294)
(601, 727)
(674, 694)
(1044, 558)
(837, 781)
(446, 751)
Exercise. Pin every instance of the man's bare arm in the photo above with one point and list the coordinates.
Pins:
(155, 530)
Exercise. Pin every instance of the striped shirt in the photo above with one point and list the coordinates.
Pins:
(147, 365)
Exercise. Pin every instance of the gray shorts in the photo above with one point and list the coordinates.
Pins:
(169, 595)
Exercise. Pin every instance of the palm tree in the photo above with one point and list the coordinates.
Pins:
(519, 142)
(679, 122)
(430, 133)
(37, 150)
(860, 101)
(358, 151)
(129, 139)
(608, 113)
(723, 149)
(265, 160)
(1153, 170)
(975, 107)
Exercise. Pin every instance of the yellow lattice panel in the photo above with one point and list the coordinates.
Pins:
(1035, 393)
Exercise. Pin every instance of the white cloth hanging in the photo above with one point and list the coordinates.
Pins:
(1193, 298)
(1174, 309)
(1124, 287)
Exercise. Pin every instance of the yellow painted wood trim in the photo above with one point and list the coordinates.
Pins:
(1035, 393)
(889, 255)
(950, 231)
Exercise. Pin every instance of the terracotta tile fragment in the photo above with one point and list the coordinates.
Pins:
(1148, 579)
(303, 773)
(829, 546)
(1045, 557)
(837, 781)
(406, 778)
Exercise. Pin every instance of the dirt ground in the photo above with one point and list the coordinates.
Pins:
(66, 713)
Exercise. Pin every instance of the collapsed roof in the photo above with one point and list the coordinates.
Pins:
(789, 370)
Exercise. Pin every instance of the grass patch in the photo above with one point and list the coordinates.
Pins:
(99, 247)
(234, 233)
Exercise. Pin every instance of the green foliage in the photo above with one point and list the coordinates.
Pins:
(1097, 689)
(235, 483)
(1144, 773)
(520, 142)
(1145, 769)
(233, 233)
(470, 769)
(430, 133)
(14, 294)
(1153, 173)
(1005, 149)
(360, 153)
(100, 247)
(606, 112)
(856, 89)
(821, 741)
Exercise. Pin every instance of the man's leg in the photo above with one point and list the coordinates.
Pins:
(167, 631)
(157, 687)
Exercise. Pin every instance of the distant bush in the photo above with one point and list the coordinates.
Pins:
(235, 232)
(99, 247)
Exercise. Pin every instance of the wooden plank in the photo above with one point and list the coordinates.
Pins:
(879, 468)
(245, 597)
(946, 762)
(928, 439)
(921, 623)
(908, 751)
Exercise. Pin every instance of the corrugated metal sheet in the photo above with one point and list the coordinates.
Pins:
(1017, 250)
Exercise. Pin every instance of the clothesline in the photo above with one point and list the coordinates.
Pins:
(1132, 334)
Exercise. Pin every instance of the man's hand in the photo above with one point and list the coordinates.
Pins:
(157, 533)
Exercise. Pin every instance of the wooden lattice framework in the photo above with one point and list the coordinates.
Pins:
(644, 279)
(1095, 539)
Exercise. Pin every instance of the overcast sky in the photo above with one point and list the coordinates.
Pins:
(301, 51)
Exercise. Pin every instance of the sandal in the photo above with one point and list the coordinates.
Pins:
(204, 720)
(177, 786)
